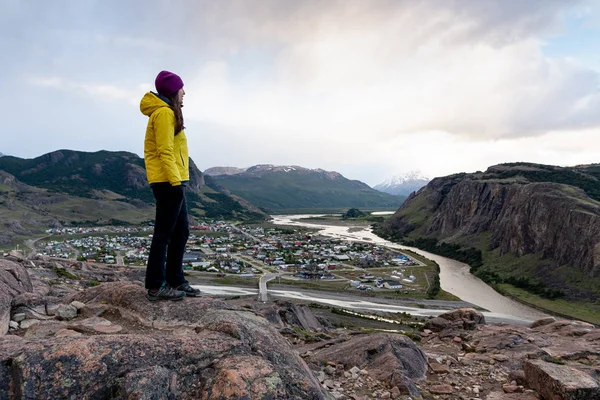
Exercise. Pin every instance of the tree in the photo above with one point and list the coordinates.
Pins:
(353, 213)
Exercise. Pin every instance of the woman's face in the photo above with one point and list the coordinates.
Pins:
(180, 95)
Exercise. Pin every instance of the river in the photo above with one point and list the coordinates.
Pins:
(455, 277)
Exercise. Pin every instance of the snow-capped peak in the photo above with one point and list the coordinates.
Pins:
(403, 184)
(403, 178)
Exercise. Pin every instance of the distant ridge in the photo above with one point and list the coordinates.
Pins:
(216, 171)
(97, 187)
(276, 188)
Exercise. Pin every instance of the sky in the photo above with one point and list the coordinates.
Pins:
(370, 89)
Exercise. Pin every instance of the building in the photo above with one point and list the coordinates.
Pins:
(390, 284)
(192, 257)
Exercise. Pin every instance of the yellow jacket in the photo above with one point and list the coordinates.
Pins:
(165, 154)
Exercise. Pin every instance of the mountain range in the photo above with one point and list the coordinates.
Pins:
(534, 227)
(279, 188)
(403, 184)
(72, 187)
(67, 187)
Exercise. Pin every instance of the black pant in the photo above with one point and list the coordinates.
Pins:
(171, 232)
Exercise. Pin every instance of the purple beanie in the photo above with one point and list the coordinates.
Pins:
(167, 83)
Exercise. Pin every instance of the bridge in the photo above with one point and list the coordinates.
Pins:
(262, 286)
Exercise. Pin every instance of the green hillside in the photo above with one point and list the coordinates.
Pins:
(82, 174)
(277, 189)
(118, 177)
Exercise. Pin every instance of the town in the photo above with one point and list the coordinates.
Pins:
(222, 249)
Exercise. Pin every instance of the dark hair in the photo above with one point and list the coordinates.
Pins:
(176, 107)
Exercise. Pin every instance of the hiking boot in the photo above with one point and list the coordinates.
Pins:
(188, 290)
(165, 292)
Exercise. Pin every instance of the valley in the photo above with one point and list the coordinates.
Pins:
(529, 231)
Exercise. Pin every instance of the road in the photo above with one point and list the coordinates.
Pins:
(246, 233)
(119, 258)
(266, 277)
(31, 244)
(75, 251)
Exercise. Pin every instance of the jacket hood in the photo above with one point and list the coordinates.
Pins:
(152, 102)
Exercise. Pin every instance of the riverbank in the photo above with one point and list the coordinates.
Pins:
(455, 277)
(587, 312)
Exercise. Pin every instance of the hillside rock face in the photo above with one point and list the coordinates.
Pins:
(546, 218)
(200, 348)
(196, 182)
(559, 222)
(14, 280)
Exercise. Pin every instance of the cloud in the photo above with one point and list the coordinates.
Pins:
(98, 91)
(472, 69)
(366, 87)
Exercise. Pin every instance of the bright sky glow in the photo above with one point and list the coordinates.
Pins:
(366, 88)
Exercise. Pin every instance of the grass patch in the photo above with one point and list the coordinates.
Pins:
(63, 273)
(584, 311)
(445, 296)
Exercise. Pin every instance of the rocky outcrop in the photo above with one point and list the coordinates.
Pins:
(109, 341)
(462, 318)
(393, 359)
(196, 182)
(555, 220)
(521, 209)
(14, 280)
(515, 362)
(558, 382)
(285, 313)
(200, 348)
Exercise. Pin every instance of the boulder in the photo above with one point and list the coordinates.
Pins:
(560, 382)
(28, 323)
(469, 317)
(67, 332)
(461, 318)
(298, 315)
(95, 325)
(14, 280)
(568, 328)
(14, 277)
(45, 329)
(66, 312)
(542, 322)
(77, 304)
(93, 310)
(441, 389)
(435, 324)
(393, 359)
(222, 352)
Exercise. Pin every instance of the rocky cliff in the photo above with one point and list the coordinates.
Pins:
(67, 340)
(510, 210)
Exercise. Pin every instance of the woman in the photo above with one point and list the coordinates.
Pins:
(167, 169)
